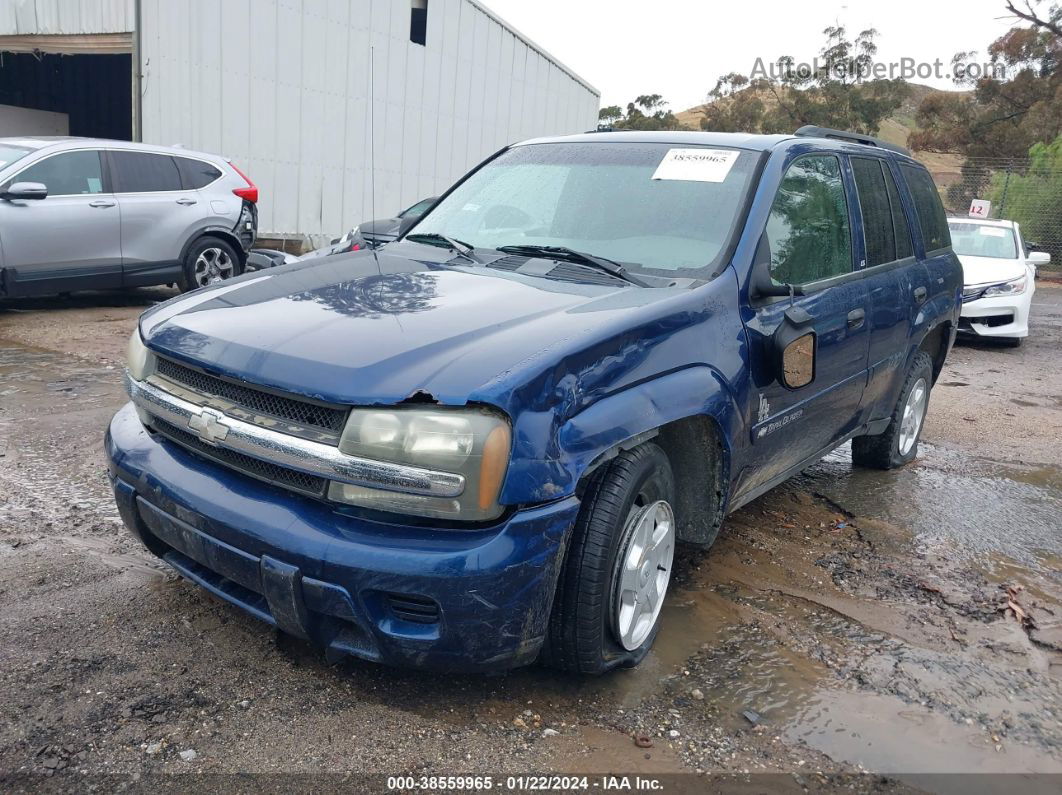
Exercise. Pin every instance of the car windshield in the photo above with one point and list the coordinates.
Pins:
(9, 154)
(982, 240)
(661, 209)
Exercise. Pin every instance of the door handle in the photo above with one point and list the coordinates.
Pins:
(102, 203)
(186, 201)
(856, 318)
(920, 295)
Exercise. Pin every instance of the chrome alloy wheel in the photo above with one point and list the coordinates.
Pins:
(213, 265)
(647, 551)
(914, 411)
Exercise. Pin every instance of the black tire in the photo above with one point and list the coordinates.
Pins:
(580, 637)
(883, 450)
(1012, 342)
(188, 269)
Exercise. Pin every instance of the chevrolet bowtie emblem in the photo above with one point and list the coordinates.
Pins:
(209, 426)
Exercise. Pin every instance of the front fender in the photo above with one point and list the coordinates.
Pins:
(621, 417)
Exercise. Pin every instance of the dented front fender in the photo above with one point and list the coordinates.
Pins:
(623, 417)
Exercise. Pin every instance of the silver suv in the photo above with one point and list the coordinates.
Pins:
(83, 213)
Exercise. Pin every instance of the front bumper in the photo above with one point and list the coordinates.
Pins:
(998, 316)
(459, 600)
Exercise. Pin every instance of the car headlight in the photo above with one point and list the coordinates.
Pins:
(139, 361)
(471, 442)
(1013, 287)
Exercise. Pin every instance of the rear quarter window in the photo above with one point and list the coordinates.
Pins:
(196, 174)
(932, 219)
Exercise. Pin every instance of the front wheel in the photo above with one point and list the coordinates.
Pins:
(898, 443)
(210, 260)
(606, 611)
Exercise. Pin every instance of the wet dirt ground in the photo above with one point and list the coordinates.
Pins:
(903, 623)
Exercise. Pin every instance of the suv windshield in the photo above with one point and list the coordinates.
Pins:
(656, 208)
(9, 154)
(982, 240)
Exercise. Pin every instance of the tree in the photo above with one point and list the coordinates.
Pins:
(1051, 23)
(834, 92)
(730, 110)
(610, 115)
(1016, 105)
(1034, 199)
(646, 112)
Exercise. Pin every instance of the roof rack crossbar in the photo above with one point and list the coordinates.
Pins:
(813, 131)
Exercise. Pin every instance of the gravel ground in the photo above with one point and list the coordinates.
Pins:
(849, 621)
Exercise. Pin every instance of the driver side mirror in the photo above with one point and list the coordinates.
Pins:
(1039, 258)
(24, 191)
(794, 343)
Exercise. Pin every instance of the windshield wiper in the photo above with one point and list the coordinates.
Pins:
(434, 239)
(578, 257)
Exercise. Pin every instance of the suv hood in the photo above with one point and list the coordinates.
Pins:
(353, 330)
(990, 270)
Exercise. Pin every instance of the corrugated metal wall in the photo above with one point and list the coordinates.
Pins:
(68, 17)
(282, 87)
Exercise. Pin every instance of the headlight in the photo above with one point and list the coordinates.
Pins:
(138, 359)
(1014, 287)
(473, 443)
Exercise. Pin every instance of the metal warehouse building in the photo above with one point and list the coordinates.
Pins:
(282, 87)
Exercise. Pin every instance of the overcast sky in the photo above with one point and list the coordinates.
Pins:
(679, 47)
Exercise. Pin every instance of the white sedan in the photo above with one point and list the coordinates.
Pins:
(999, 277)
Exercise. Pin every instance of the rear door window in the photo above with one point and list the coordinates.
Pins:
(67, 174)
(904, 246)
(808, 229)
(196, 174)
(932, 219)
(878, 233)
(143, 172)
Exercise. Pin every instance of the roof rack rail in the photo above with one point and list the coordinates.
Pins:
(812, 131)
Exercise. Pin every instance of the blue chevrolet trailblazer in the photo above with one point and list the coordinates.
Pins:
(481, 445)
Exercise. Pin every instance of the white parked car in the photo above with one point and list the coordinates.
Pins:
(999, 277)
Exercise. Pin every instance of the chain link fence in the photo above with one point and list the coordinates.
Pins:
(1027, 190)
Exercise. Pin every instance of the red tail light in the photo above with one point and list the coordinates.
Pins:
(250, 193)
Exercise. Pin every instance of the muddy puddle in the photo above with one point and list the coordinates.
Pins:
(868, 624)
(982, 508)
(53, 410)
(50, 380)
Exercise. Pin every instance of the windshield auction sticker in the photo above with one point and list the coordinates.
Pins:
(696, 165)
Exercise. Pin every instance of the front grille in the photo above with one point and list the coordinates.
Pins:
(271, 473)
(300, 412)
(418, 609)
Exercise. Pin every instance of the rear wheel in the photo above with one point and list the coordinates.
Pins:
(898, 443)
(210, 260)
(606, 611)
